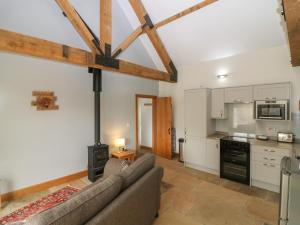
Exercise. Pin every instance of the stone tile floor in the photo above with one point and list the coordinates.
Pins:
(198, 198)
(191, 197)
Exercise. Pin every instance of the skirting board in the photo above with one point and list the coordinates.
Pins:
(146, 147)
(43, 186)
(266, 186)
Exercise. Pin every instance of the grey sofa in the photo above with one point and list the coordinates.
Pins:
(129, 196)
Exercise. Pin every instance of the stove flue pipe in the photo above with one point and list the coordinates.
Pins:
(97, 88)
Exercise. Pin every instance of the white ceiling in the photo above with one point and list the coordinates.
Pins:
(225, 28)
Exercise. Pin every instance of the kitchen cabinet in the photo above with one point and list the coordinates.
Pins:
(272, 92)
(265, 166)
(198, 125)
(194, 152)
(267, 173)
(212, 156)
(218, 108)
(239, 95)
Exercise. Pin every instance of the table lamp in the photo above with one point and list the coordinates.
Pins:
(120, 142)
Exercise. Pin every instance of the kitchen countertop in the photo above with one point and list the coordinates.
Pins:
(295, 147)
(274, 144)
(217, 135)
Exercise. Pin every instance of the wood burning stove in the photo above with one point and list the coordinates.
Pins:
(97, 158)
(98, 154)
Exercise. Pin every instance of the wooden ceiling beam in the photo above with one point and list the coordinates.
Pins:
(106, 26)
(292, 16)
(79, 25)
(184, 13)
(36, 47)
(127, 42)
(144, 18)
(140, 30)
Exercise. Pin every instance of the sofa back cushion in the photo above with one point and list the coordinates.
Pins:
(82, 206)
(137, 169)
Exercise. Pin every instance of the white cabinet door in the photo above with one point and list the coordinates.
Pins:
(195, 113)
(266, 172)
(194, 151)
(272, 92)
(213, 155)
(218, 104)
(239, 94)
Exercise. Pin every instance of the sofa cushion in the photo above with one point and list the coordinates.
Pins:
(115, 167)
(82, 206)
(137, 169)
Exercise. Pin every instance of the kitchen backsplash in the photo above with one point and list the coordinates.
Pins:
(240, 119)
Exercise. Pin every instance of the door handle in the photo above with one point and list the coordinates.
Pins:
(169, 131)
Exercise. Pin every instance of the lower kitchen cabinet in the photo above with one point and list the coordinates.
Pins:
(212, 161)
(203, 154)
(265, 166)
(194, 152)
(267, 173)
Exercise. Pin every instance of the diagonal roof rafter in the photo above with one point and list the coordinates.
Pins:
(101, 55)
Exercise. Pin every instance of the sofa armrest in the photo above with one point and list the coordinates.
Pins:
(112, 167)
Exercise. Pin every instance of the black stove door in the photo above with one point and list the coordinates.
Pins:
(235, 161)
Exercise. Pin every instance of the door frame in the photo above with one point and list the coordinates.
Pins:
(154, 98)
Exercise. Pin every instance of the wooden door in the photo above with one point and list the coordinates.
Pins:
(164, 127)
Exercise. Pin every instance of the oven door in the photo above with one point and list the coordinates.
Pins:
(235, 172)
(272, 110)
(236, 157)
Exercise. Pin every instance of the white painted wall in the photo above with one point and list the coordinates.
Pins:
(146, 124)
(119, 106)
(40, 146)
(264, 66)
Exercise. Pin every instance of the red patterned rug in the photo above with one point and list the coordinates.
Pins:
(40, 205)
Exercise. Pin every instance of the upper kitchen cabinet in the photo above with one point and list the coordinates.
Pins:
(272, 92)
(218, 108)
(239, 95)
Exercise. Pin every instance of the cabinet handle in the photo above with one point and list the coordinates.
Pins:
(265, 164)
(272, 151)
(266, 150)
(272, 159)
(272, 165)
(266, 158)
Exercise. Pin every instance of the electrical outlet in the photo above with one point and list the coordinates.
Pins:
(271, 131)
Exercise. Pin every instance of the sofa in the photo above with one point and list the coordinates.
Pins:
(126, 195)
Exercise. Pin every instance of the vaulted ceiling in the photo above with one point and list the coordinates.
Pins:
(225, 28)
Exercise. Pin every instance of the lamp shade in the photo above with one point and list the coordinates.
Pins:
(120, 142)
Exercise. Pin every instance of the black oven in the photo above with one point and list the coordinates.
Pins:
(272, 110)
(235, 159)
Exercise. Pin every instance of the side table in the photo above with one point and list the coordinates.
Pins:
(125, 155)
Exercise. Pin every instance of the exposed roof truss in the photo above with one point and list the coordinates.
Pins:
(100, 55)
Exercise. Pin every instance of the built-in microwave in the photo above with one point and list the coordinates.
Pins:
(272, 110)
